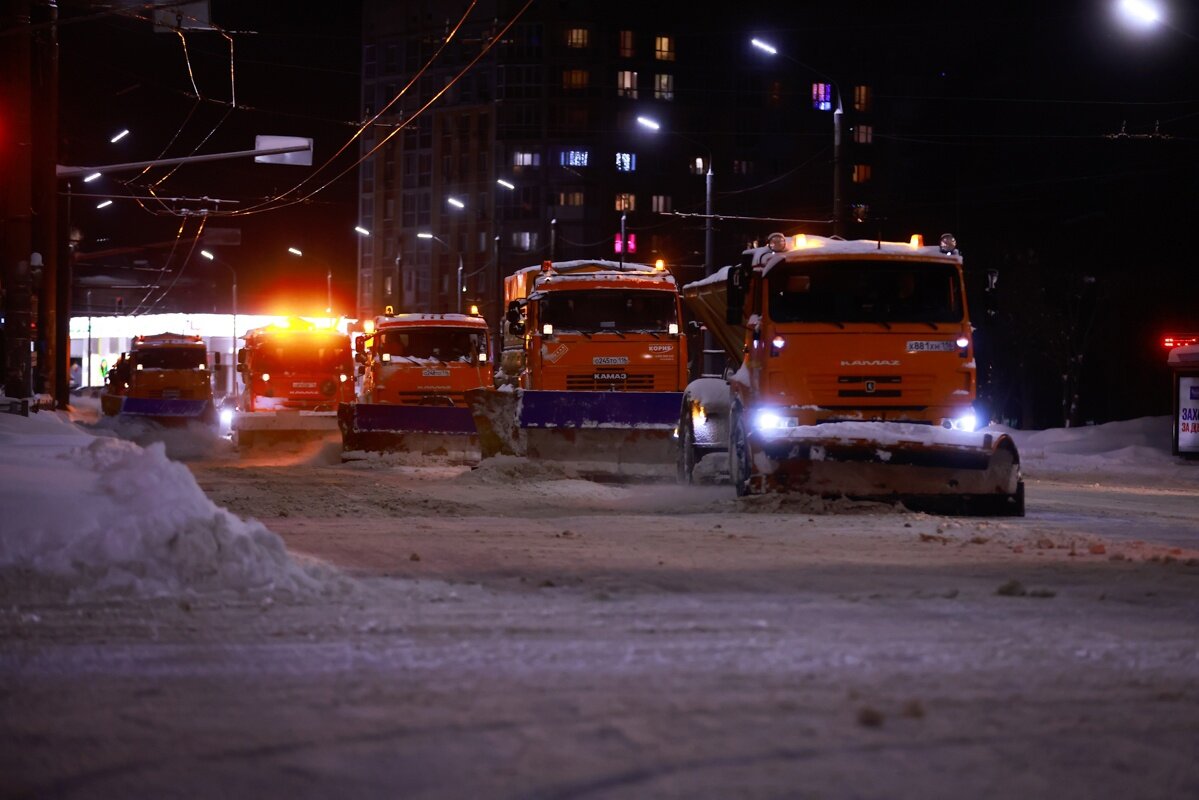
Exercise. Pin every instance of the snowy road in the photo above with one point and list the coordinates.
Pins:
(509, 633)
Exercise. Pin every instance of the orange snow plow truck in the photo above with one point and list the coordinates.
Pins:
(294, 372)
(164, 378)
(416, 370)
(851, 373)
(592, 370)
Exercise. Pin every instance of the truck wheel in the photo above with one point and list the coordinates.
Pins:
(686, 453)
(739, 459)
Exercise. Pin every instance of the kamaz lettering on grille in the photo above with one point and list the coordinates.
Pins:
(879, 363)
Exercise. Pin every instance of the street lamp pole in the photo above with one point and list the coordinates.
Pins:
(709, 181)
(838, 222)
(233, 341)
(427, 235)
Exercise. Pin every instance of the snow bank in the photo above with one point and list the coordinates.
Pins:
(1138, 446)
(101, 516)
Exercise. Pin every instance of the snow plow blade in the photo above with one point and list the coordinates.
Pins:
(601, 435)
(927, 469)
(168, 410)
(389, 428)
(283, 427)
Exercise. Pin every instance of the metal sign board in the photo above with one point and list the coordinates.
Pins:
(301, 158)
(188, 16)
(221, 237)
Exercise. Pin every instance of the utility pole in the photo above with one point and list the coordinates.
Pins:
(52, 369)
(16, 221)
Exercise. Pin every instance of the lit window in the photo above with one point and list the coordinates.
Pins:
(863, 134)
(523, 240)
(525, 159)
(575, 79)
(662, 204)
(697, 166)
(573, 158)
(663, 87)
(626, 44)
(822, 96)
(626, 162)
(664, 48)
(626, 83)
(861, 173)
(570, 198)
(742, 167)
(626, 202)
(861, 98)
(387, 285)
(576, 37)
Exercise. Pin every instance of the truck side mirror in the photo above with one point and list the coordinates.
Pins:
(515, 326)
(735, 293)
(241, 357)
(359, 344)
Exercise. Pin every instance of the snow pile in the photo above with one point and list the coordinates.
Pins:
(1138, 446)
(102, 516)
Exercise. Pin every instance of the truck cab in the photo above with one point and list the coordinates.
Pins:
(163, 376)
(294, 364)
(424, 359)
(594, 326)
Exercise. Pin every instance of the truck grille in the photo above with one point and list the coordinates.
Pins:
(614, 381)
(869, 386)
(173, 394)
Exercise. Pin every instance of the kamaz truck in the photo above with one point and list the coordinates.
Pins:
(164, 378)
(416, 371)
(592, 370)
(850, 372)
(294, 373)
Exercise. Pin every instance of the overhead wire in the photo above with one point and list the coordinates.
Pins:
(271, 205)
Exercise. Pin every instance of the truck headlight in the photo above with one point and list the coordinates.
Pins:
(769, 419)
(967, 422)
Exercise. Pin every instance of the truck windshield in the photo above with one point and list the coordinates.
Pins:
(442, 344)
(170, 358)
(283, 356)
(609, 310)
(865, 291)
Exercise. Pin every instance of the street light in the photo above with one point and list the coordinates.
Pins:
(233, 341)
(654, 125)
(295, 251)
(461, 288)
(766, 47)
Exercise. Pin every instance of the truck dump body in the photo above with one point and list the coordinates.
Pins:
(295, 373)
(418, 369)
(164, 378)
(852, 373)
(594, 365)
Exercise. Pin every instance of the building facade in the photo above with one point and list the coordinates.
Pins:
(513, 136)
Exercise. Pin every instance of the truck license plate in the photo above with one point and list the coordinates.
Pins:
(932, 347)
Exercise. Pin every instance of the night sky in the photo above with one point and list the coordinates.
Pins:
(1006, 122)
(295, 74)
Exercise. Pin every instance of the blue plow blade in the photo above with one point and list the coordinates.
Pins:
(371, 417)
(550, 409)
(600, 435)
(157, 407)
(385, 428)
